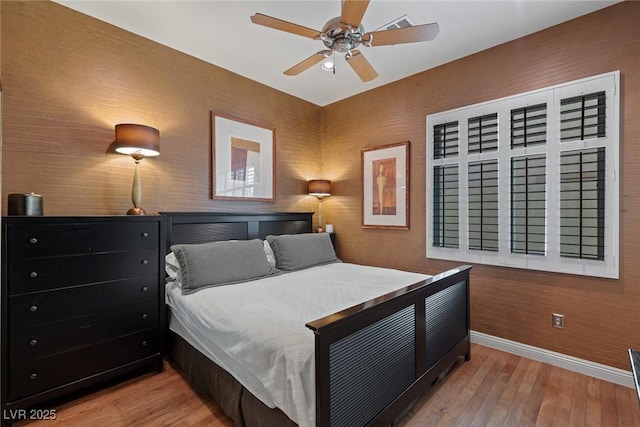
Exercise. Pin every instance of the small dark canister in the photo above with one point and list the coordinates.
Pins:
(25, 204)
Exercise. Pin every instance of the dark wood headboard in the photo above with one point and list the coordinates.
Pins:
(201, 227)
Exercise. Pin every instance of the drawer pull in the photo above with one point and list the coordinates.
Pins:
(33, 376)
(33, 308)
(145, 262)
(33, 343)
(145, 289)
(33, 240)
(145, 315)
(145, 234)
(33, 274)
(144, 343)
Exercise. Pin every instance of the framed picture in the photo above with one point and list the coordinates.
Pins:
(243, 160)
(385, 186)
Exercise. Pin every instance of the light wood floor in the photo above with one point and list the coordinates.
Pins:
(493, 389)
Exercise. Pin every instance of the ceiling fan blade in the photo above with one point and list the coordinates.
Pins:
(353, 11)
(306, 64)
(418, 33)
(279, 24)
(361, 66)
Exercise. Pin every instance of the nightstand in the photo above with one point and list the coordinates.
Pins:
(332, 236)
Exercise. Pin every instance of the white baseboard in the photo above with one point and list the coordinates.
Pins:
(586, 367)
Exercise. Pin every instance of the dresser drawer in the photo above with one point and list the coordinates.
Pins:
(37, 375)
(38, 274)
(42, 308)
(67, 335)
(40, 240)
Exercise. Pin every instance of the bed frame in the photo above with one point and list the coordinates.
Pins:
(372, 360)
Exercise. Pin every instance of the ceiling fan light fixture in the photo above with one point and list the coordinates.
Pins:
(328, 65)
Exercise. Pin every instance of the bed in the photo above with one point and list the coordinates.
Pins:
(363, 364)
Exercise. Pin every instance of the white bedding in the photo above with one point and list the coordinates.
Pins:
(256, 330)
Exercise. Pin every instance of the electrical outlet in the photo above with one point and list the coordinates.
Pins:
(557, 320)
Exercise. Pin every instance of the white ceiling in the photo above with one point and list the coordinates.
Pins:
(221, 33)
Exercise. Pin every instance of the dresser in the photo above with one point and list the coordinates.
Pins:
(82, 302)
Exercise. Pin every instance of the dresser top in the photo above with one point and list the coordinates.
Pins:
(24, 219)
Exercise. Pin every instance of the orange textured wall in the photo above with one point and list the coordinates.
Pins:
(68, 79)
(602, 317)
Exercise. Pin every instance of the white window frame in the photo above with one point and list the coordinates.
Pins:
(551, 261)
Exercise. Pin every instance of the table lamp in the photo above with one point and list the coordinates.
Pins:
(138, 141)
(319, 188)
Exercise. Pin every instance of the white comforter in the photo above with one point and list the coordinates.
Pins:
(256, 330)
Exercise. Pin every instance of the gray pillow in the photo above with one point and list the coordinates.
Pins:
(221, 263)
(298, 251)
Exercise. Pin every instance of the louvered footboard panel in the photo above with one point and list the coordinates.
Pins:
(446, 320)
(381, 359)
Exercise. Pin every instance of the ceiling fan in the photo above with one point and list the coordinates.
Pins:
(344, 34)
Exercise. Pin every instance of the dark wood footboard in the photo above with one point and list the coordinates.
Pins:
(374, 359)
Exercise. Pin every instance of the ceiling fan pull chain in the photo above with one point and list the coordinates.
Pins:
(334, 62)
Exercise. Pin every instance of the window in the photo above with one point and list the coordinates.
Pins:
(528, 205)
(528, 181)
(445, 140)
(529, 126)
(582, 187)
(583, 117)
(445, 206)
(483, 205)
(483, 133)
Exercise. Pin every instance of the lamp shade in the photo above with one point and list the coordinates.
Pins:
(319, 188)
(131, 138)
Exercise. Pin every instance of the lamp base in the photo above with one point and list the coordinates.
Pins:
(136, 211)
